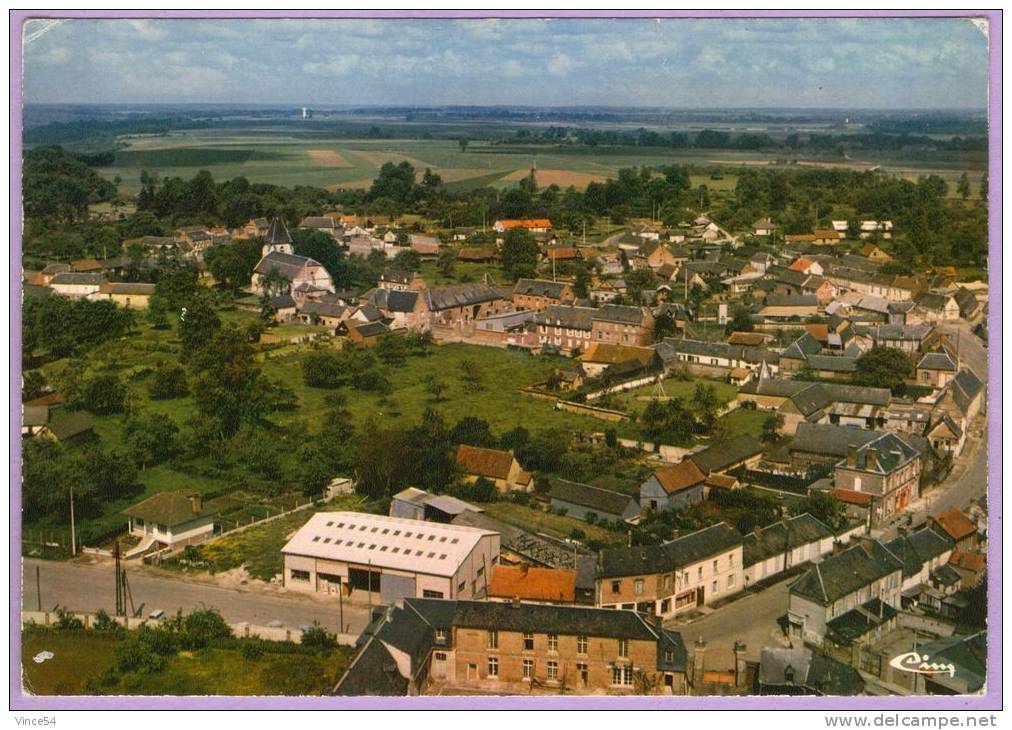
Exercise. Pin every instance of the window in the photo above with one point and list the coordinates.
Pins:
(493, 639)
(714, 566)
(699, 572)
(616, 586)
(493, 666)
(481, 572)
(730, 581)
(460, 586)
(715, 588)
(528, 668)
(439, 656)
(622, 675)
(426, 593)
(730, 559)
(581, 644)
(638, 586)
(300, 575)
(553, 670)
(623, 647)
(553, 642)
(440, 634)
(667, 582)
(669, 656)
(528, 642)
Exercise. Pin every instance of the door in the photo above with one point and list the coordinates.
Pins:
(583, 675)
(699, 596)
(472, 671)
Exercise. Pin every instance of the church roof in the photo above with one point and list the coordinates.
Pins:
(278, 233)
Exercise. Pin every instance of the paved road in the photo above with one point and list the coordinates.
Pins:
(752, 619)
(968, 479)
(88, 588)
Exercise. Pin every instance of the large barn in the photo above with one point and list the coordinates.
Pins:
(390, 557)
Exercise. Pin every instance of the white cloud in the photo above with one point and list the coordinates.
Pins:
(560, 64)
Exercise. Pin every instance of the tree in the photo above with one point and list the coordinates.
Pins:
(705, 406)
(446, 262)
(581, 283)
(463, 144)
(152, 437)
(435, 387)
(825, 507)
(198, 324)
(407, 261)
(741, 321)
(884, 367)
(519, 253)
(168, 381)
(103, 394)
(963, 186)
(472, 431)
(318, 639)
(771, 427)
(392, 349)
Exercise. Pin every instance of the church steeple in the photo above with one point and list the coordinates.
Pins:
(278, 239)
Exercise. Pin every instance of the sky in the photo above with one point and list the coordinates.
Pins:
(923, 63)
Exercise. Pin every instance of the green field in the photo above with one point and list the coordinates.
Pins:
(559, 526)
(283, 156)
(80, 656)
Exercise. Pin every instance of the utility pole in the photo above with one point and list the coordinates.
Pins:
(120, 607)
(340, 605)
(38, 588)
(73, 535)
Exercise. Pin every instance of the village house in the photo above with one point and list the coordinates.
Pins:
(281, 272)
(936, 369)
(532, 584)
(63, 426)
(171, 519)
(405, 308)
(923, 553)
(937, 307)
(328, 314)
(715, 359)
(417, 504)
(833, 403)
(969, 307)
(726, 455)
(801, 671)
(962, 530)
(390, 558)
(582, 500)
(255, 228)
(537, 294)
(461, 304)
(534, 225)
(673, 487)
(362, 334)
(881, 476)
(763, 227)
(617, 324)
(874, 253)
(495, 465)
(798, 306)
(599, 357)
(565, 328)
(76, 286)
(776, 548)
(125, 294)
(858, 588)
(323, 224)
(422, 646)
(393, 280)
(825, 444)
(879, 228)
(678, 576)
(825, 236)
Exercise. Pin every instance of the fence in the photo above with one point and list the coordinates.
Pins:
(178, 547)
(669, 453)
(627, 385)
(780, 482)
(606, 414)
(242, 629)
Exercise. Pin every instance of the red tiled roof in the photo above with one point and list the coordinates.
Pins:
(800, 265)
(721, 481)
(533, 584)
(679, 476)
(850, 497)
(819, 331)
(967, 560)
(525, 223)
(603, 352)
(955, 523)
(484, 462)
(564, 252)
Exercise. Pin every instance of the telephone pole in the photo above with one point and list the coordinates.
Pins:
(73, 535)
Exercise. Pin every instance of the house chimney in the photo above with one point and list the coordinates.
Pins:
(851, 455)
(196, 503)
(740, 670)
(698, 652)
(872, 461)
(524, 567)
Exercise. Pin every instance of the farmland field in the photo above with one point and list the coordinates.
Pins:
(283, 156)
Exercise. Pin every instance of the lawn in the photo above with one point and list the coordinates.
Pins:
(744, 420)
(636, 400)
(259, 548)
(83, 655)
(558, 526)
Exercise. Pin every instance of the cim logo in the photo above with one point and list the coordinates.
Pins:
(921, 664)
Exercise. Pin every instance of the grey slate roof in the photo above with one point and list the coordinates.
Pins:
(401, 301)
(775, 387)
(278, 233)
(848, 571)
(792, 300)
(323, 309)
(814, 671)
(619, 313)
(777, 538)
(604, 501)
(462, 295)
(830, 440)
(540, 288)
(833, 363)
(286, 265)
(560, 315)
(75, 278)
(673, 555)
(802, 348)
(857, 622)
(724, 453)
(892, 452)
(937, 361)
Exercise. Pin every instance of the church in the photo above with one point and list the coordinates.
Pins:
(280, 271)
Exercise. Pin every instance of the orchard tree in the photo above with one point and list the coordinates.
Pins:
(519, 253)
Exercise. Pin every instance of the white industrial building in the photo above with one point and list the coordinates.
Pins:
(390, 557)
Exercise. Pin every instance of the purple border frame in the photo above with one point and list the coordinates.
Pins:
(992, 700)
